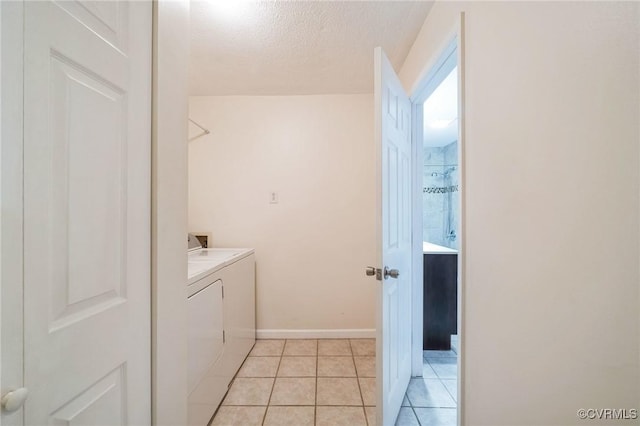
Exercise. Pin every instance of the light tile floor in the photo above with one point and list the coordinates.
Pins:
(331, 382)
(431, 399)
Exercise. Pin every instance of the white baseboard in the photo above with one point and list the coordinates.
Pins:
(358, 333)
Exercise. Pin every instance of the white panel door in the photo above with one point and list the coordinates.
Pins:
(393, 139)
(87, 120)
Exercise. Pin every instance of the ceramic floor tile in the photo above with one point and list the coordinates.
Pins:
(405, 402)
(452, 387)
(336, 366)
(267, 348)
(338, 391)
(304, 347)
(249, 391)
(334, 347)
(290, 416)
(259, 366)
(406, 417)
(364, 347)
(445, 367)
(297, 366)
(294, 391)
(437, 416)
(427, 371)
(438, 354)
(340, 416)
(365, 366)
(371, 415)
(234, 416)
(429, 393)
(368, 389)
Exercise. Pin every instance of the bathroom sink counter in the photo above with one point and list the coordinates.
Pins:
(430, 248)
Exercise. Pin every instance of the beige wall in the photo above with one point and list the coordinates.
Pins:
(551, 196)
(317, 153)
(169, 213)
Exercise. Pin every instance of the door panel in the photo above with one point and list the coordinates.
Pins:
(393, 138)
(87, 212)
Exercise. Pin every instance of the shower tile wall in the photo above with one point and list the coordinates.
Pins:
(436, 205)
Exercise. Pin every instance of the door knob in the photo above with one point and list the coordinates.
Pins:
(393, 273)
(374, 272)
(13, 400)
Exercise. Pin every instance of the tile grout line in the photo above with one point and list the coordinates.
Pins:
(273, 385)
(364, 410)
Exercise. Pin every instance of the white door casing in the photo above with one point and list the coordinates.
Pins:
(87, 139)
(394, 219)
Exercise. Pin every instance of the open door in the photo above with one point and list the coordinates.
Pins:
(393, 155)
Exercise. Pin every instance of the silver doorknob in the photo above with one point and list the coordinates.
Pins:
(14, 400)
(372, 271)
(393, 273)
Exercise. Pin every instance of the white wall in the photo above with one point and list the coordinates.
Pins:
(169, 213)
(312, 247)
(552, 206)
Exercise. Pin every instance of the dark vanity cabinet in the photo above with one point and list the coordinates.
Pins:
(440, 281)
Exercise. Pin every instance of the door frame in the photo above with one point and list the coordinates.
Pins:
(454, 44)
(11, 220)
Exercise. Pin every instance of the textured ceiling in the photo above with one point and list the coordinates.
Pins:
(241, 47)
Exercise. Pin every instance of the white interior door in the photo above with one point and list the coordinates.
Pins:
(87, 121)
(393, 139)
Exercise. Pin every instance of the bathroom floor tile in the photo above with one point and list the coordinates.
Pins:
(336, 366)
(334, 347)
(452, 386)
(437, 354)
(302, 347)
(340, 416)
(297, 366)
(429, 393)
(294, 391)
(427, 371)
(405, 402)
(365, 366)
(437, 416)
(445, 367)
(249, 391)
(363, 347)
(232, 416)
(259, 366)
(267, 348)
(289, 416)
(338, 391)
(406, 417)
(368, 389)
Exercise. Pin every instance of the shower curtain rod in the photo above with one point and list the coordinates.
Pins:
(204, 131)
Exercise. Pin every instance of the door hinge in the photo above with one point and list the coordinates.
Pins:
(223, 292)
(224, 337)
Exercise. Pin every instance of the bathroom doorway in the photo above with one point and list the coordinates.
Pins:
(433, 392)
